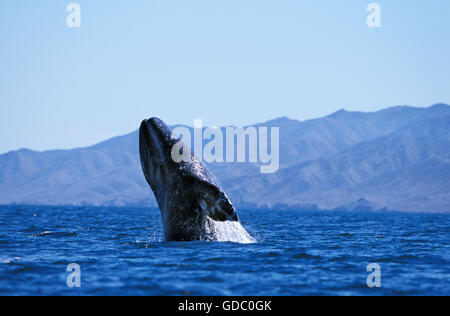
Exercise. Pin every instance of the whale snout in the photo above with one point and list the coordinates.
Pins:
(156, 128)
(155, 147)
(155, 136)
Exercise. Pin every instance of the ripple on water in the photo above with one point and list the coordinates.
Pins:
(122, 252)
(305, 255)
(272, 254)
(9, 260)
(55, 234)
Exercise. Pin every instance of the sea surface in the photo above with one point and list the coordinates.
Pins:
(121, 251)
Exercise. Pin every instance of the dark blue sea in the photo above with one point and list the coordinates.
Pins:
(121, 251)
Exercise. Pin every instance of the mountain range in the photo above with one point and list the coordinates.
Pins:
(394, 159)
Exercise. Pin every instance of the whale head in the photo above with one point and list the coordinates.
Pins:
(188, 196)
(155, 146)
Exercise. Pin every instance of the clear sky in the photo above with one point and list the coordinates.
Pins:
(225, 61)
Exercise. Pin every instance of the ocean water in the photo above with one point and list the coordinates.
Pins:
(121, 251)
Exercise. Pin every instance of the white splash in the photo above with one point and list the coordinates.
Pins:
(229, 231)
(9, 260)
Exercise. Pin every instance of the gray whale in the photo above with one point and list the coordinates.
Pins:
(192, 204)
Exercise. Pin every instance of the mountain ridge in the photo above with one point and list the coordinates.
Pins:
(386, 149)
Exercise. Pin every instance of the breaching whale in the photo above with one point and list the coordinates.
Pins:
(192, 204)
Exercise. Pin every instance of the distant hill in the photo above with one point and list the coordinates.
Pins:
(394, 159)
(408, 169)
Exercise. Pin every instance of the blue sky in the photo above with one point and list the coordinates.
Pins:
(225, 61)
